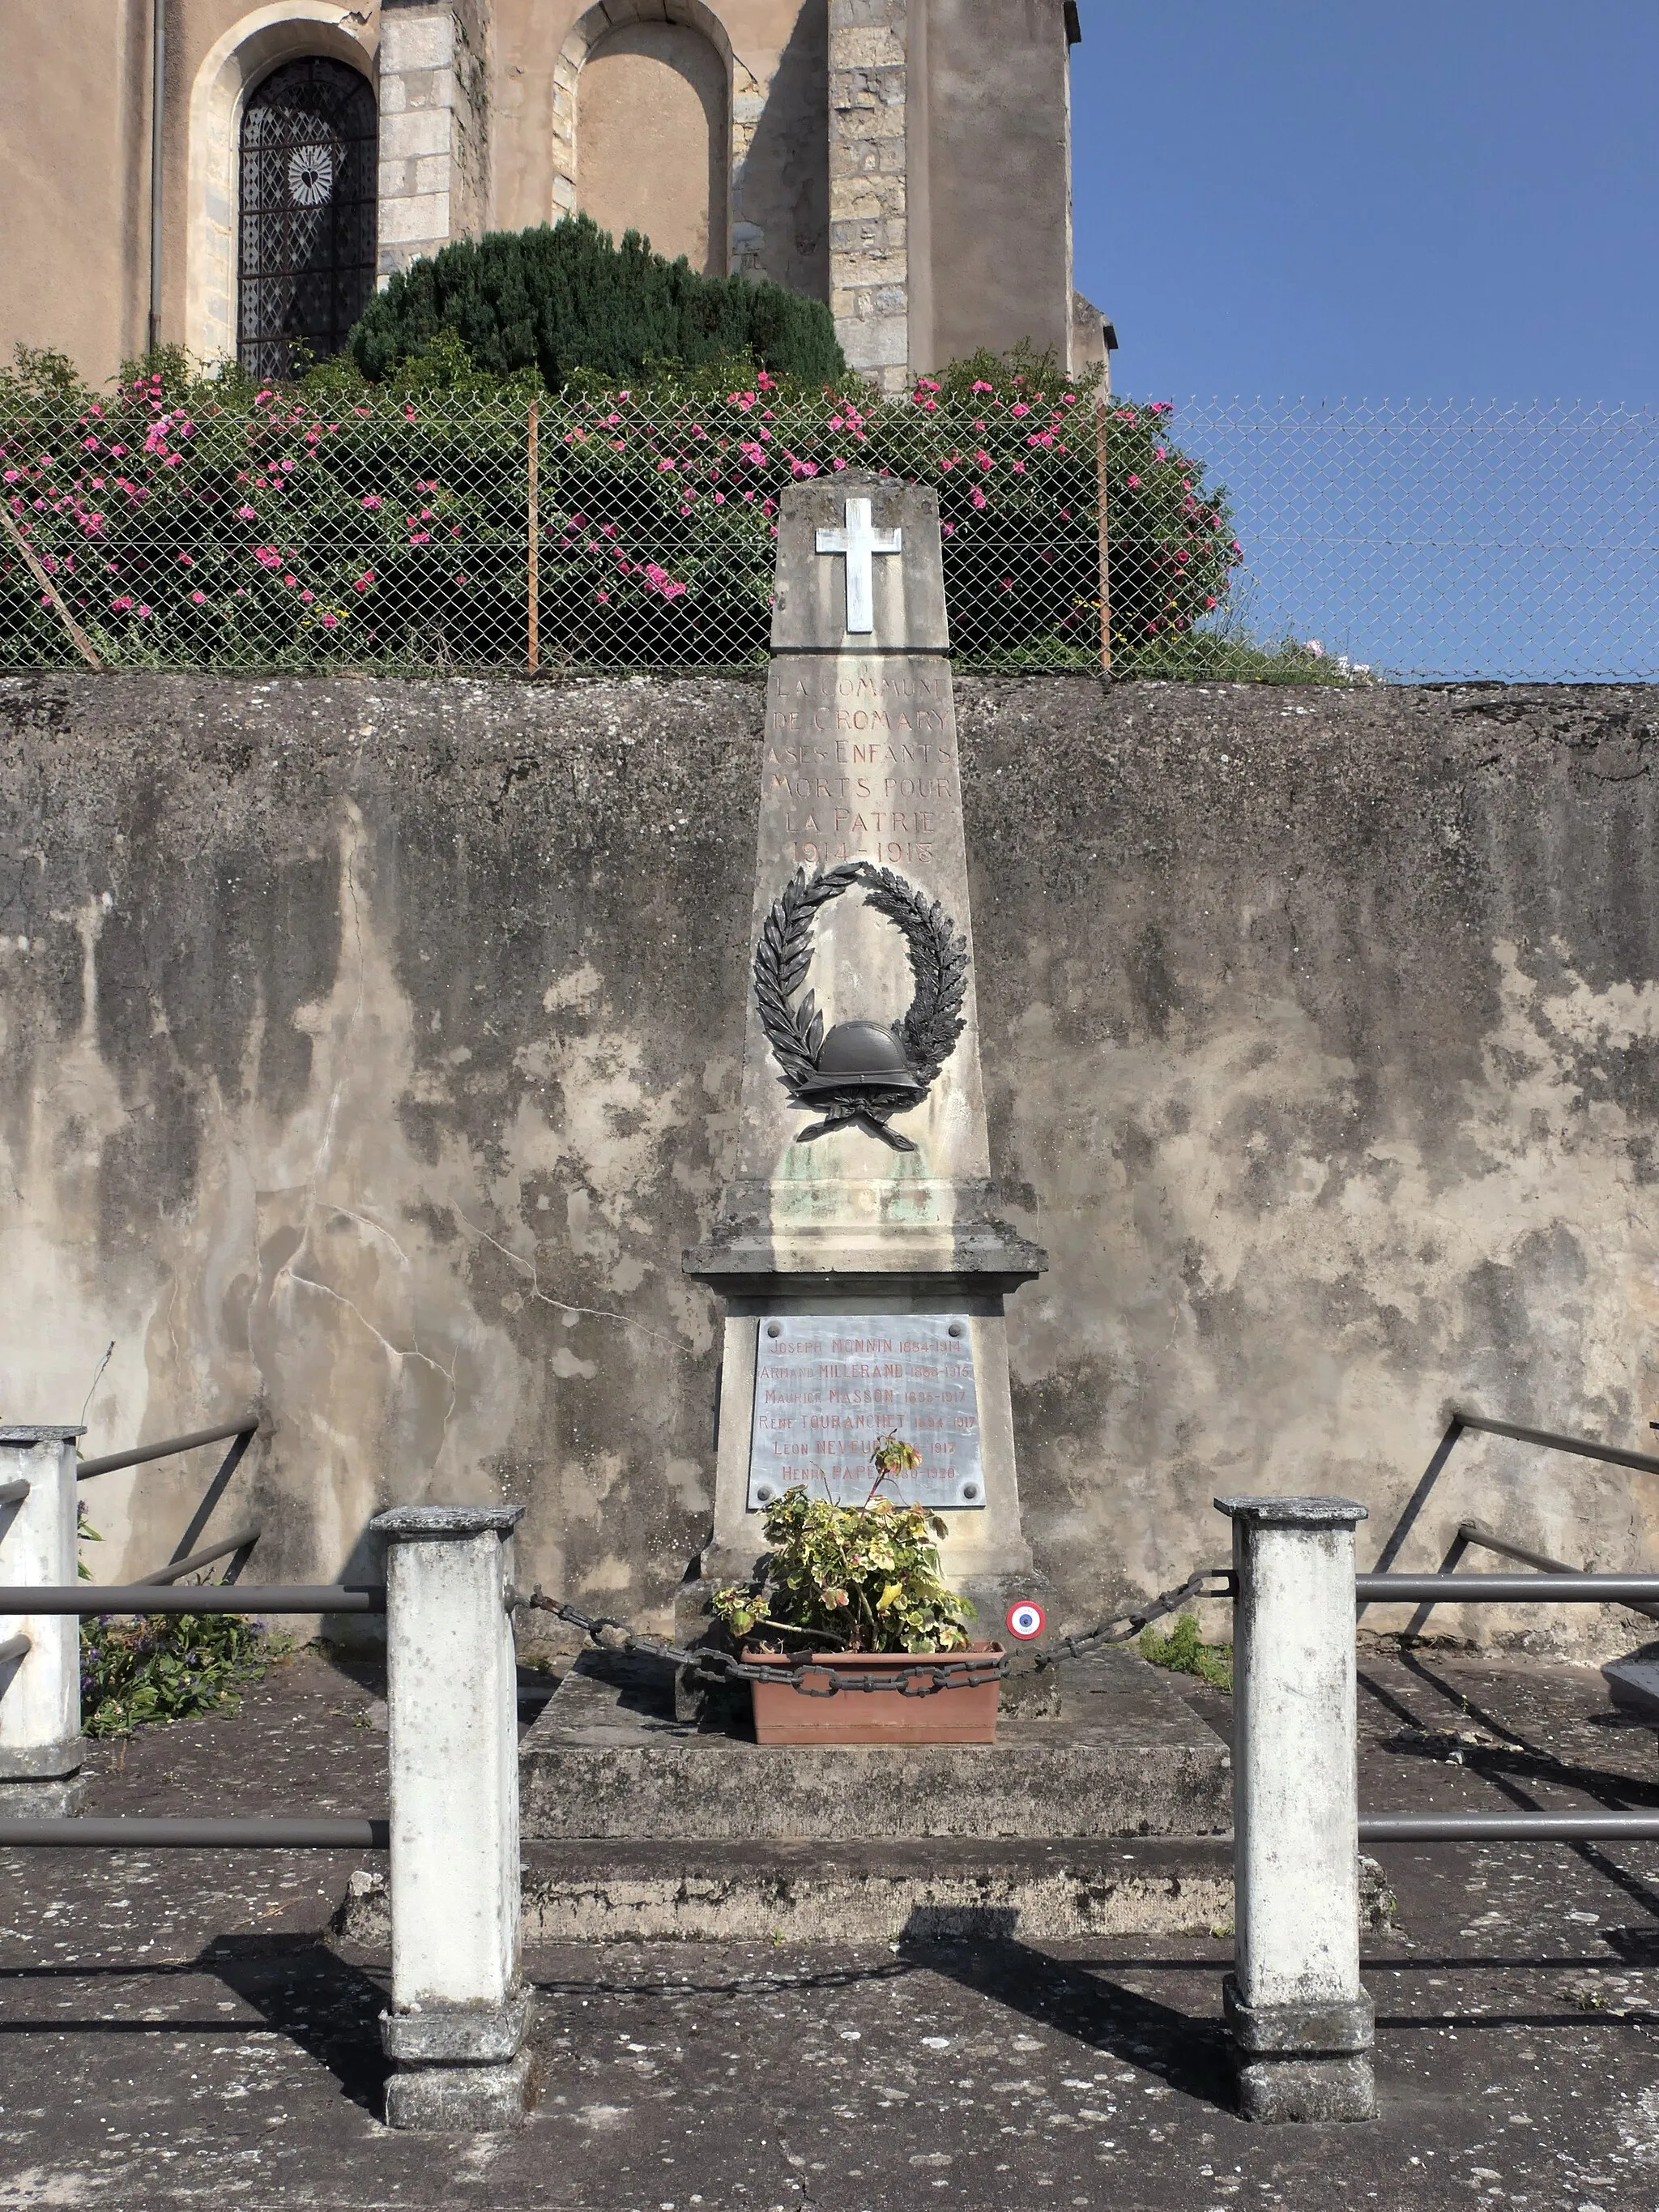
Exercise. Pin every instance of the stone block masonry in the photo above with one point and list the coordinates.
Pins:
(869, 265)
(434, 144)
(373, 1049)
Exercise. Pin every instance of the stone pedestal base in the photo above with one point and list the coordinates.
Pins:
(1308, 2089)
(460, 2069)
(1303, 2062)
(991, 1595)
(699, 1704)
(42, 1797)
(42, 1762)
(1126, 1756)
(460, 2100)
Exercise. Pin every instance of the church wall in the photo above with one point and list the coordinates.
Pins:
(998, 178)
(219, 52)
(780, 201)
(75, 156)
(435, 127)
(527, 35)
(75, 178)
(870, 112)
(371, 1049)
(919, 183)
(775, 179)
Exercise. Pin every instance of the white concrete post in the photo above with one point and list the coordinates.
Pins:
(456, 2026)
(40, 1746)
(1302, 2024)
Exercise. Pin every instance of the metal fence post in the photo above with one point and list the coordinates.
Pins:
(1302, 2024)
(1103, 543)
(534, 542)
(457, 2025)
(40, 1746)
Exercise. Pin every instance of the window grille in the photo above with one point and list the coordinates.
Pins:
(307, 213)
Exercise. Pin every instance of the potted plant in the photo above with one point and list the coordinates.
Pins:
(857, 1590)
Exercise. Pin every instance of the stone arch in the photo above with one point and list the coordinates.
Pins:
(617, 27)
(285, 31)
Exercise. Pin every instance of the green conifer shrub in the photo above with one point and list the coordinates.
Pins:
(562, 298)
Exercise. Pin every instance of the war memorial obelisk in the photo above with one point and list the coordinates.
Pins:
(858, 1247)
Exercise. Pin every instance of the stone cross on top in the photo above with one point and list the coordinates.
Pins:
(859, 541)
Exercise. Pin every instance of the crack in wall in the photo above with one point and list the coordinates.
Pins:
(566, 1305)
(374, 1228)
(394, 1351)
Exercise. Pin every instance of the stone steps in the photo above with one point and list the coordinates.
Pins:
(1125, 1755)
(1103, 1811)
(876, 1892)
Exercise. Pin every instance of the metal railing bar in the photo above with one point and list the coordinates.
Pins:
(13, 1492)
(243, 1539)
(1613, 1453)
(111, 1462)
(353, 1834)
(1548, 1438)
(89, 1599)
(1505, 1827)
(14, 1647)
(1564, 1589)
(1488, 1539)
(1455, 1555)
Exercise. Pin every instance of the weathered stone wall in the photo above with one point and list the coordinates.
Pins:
(869, 193)
(371, 1049)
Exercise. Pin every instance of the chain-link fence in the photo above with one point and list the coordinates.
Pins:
(294, 528)
(1518, 545)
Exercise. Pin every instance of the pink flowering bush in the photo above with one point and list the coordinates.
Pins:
(196, 521)
(1019, 502)
(220, 523)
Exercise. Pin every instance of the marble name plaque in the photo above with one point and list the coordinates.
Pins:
(827, 1385)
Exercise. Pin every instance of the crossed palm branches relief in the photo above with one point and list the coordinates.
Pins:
(859, 1074)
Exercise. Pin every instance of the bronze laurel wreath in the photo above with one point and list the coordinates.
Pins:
(929, 1030)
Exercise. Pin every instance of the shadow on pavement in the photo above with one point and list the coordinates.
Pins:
(302, 1990)
(1077, 1998)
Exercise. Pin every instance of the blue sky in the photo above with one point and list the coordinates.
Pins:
(1428, 200)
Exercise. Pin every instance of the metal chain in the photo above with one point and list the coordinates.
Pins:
(818, 1678)
(821, 1677)
(1124, 1627)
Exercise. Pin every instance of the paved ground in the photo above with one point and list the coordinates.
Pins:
(176, 2030)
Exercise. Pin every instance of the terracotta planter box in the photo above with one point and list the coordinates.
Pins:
(961, 1714)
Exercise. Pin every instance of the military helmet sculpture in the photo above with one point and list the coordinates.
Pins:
(858, 1072)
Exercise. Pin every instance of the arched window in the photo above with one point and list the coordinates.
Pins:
(307, 213)
(653, 140)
